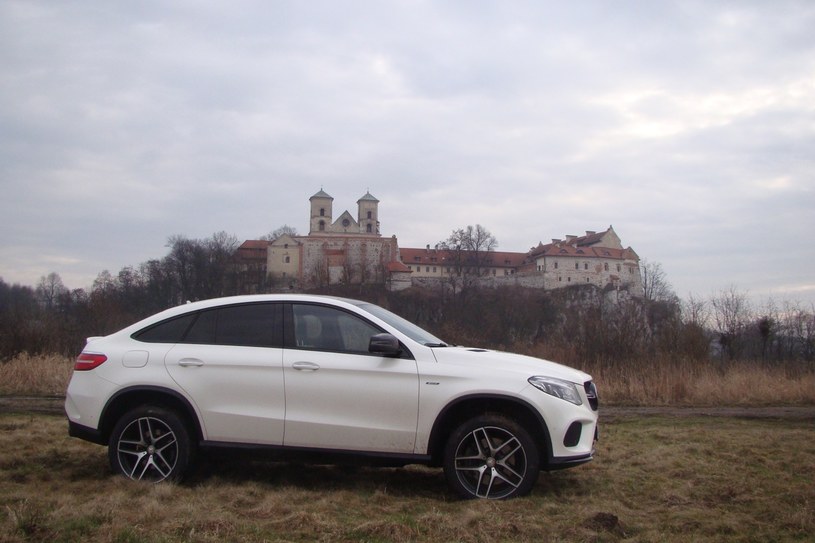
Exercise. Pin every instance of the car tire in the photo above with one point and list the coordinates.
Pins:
(491, 457)
(150, 444)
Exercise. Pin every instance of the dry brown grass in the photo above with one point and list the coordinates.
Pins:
(656, 383)
(654, 479)
(694, 384)
(43, 375)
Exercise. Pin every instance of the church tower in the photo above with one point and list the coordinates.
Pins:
(368, 215)
(320, 212)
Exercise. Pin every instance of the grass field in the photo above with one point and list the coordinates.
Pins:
(654, 479)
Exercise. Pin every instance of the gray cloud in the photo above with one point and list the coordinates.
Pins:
(689, 126)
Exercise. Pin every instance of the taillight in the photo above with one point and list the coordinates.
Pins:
(88, 361)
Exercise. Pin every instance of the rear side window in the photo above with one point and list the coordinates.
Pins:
(251, 325)
(169, 331)
(255, 325)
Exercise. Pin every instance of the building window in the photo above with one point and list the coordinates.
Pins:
(569, 279)
(577, 265)
(322, 212)
(427, 269)
(605, 266)
(322, 226)
(287, 260)
(618, 267)
(434, 269)
(346, 222)
(369, 215)
(369, 229)
(555, 265)
(585, 265)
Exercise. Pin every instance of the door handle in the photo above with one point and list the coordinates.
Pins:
(190, 362)
(305, 366)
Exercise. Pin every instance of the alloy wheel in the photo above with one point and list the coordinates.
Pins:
(147, 450)
(490, 462)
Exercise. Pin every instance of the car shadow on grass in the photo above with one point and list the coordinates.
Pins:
(236, 467)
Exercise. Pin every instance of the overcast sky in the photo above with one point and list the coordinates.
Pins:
(689, 126)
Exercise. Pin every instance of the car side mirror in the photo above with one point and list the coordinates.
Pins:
(384, 345)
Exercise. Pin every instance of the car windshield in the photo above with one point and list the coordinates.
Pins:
(403, 325)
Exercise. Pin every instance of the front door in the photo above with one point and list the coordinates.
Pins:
(338, 395)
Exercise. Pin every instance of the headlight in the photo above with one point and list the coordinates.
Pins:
(557, 388)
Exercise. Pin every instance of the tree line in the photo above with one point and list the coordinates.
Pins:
(578, 323)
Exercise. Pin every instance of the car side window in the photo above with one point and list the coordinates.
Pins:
(248, 325)
(169, 331)
(330, 329)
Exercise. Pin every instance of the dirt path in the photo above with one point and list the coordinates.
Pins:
(609, 414)
(53, 405)
(40, 405)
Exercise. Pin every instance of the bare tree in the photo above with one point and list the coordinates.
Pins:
(695, 311)
(655, 285)
(49, 289)
(281, 231)
(731, 313)
(470, 248)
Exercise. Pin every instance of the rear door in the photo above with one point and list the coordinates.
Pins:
(339, 396)
(230, 363)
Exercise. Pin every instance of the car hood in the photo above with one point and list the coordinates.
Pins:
(507, 362)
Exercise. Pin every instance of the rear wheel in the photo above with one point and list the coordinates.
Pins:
(150, 444)
(491, 457)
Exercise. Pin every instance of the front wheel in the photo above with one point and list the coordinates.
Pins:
(150, 444)
(491, 457)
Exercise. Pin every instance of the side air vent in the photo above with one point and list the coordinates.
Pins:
(591, 394)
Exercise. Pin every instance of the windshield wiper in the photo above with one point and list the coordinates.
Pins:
(436, 345)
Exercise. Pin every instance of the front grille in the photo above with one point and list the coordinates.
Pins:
(591, 394)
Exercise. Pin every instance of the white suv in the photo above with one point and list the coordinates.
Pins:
(302, 374)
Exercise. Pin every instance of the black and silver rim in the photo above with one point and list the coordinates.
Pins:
(147, 450)
(490, 462)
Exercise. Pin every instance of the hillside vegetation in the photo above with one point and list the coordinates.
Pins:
(657, 349)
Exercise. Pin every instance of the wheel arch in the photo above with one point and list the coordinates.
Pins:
(132, 397)
(467, 407)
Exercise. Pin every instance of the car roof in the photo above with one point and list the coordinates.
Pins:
(232, 300)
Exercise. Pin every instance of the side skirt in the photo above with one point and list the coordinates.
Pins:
(314, 456)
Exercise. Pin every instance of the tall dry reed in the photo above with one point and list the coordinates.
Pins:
(704, 384)
(41, 375)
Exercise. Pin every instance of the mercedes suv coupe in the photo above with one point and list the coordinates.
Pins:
(309, 377)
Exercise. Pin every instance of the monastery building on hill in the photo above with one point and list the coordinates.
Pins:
(351, 249)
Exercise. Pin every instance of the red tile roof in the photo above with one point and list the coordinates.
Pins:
(254, 244)
(446, 257)
(397, 267)
(568, 250)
